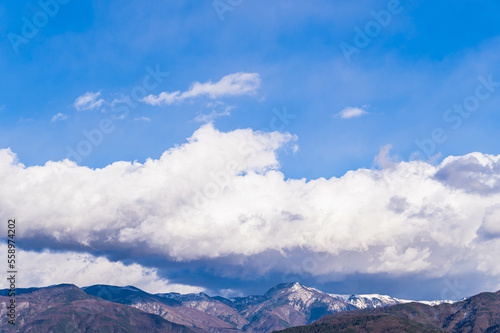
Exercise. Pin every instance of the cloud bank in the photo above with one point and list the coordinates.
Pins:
(222, 195)
(41, 269)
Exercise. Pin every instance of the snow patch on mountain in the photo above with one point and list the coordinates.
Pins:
(369, 301)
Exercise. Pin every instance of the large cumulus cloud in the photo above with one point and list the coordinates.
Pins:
(222, 195)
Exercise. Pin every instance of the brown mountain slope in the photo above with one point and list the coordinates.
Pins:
(286, 305)
(366, 323)
(480, 313)
(66, 308)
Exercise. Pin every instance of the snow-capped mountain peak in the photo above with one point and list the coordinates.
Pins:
(365, 301)
(291, 303)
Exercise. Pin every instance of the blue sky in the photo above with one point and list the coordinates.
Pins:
(395, 91)
(424, 61)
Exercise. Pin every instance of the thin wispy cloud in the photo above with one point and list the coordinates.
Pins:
(121, 99)
(351, 112)
(58, 117)
(384, 159)
(88, 101)
(206, 118)
(237, 84)
(26, 120)
(219, 109)
(145, 119)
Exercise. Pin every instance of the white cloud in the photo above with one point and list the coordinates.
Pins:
(474, 173)
(237, 84)
(219, 109)
(41, 269)
(88, 101)
(384, 159)
(146, 119)
(351, 112)
(222, 195)
(395, 260)
(206, 118)
(26, 120)
(164, 98)
(121, 99)
(490, 228)
(58, 116)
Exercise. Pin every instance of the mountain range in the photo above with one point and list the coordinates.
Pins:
(67, 308)
(479, 313)
(104, 308)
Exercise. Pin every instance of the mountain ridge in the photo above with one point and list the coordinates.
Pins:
(479, 313)
(283, 306)
(67, 308)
